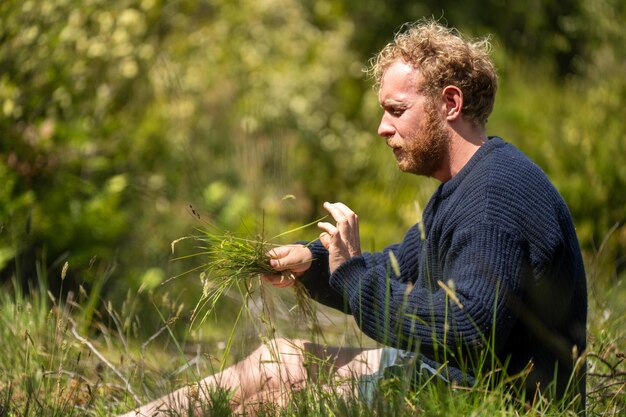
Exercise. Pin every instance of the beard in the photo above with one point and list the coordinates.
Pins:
(426, 149)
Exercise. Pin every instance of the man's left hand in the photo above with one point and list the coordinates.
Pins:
(341, 240)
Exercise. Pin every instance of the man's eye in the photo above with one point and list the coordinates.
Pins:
(397, 112)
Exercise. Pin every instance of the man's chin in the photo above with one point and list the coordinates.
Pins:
(411, 167)
(414, 169)
(402, 165)
(406, 168)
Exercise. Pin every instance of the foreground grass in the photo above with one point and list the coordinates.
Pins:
(53, 363)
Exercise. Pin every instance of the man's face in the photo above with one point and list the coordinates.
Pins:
(412, 125)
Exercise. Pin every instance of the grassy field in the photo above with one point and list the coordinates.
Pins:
(57, 358)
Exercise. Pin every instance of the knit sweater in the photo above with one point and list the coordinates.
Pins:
(494, 266)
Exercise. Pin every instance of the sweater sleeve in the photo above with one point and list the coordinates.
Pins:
(482, 267)
(316, 279)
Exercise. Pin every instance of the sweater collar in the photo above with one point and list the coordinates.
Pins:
(492, 143)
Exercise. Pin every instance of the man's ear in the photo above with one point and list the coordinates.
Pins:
(453, 99)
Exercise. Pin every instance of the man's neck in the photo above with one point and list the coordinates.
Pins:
(464, 142)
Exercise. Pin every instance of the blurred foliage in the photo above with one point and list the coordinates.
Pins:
(75, 126)
(540, 29)
(116, 116)
(573, 128)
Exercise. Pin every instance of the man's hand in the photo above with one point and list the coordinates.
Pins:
(289, 262)
(342, 241)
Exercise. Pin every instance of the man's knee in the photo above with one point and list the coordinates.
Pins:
(280, 361)
(279, 350)
(289, 346)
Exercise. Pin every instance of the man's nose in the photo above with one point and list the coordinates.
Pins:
(385, 129)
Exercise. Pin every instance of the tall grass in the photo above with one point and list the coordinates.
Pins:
(44, 369)
(231, 267)
(50, 366)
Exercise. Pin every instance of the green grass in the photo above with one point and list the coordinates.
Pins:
(230, 263)
(49, 366)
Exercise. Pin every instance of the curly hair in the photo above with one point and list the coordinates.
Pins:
(444, 57)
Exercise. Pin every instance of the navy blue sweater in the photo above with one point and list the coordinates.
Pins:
(497, 268)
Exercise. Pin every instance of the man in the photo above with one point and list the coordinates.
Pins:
(494, 270)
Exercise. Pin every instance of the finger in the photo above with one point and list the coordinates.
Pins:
(286, 280)
(349, 216)
(350, 234)
(277, 257)
(325, 239)
(334, 211)
(347, 220)
(347, 211)
(332, 231)
(341, 212)
(279, 280)
(295, 259)
(278, 252)
(280, 265)
(271, 278)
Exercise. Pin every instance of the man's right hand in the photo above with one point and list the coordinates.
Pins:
(289, 262)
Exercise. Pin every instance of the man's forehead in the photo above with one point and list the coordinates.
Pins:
(398, 81)
(399, 74)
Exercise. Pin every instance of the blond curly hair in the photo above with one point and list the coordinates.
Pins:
(444, 57)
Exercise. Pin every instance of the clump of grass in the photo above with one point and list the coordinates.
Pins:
(231, 263)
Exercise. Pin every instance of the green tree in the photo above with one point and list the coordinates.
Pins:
(117, 115)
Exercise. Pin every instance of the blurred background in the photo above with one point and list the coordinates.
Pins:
(121, 119)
